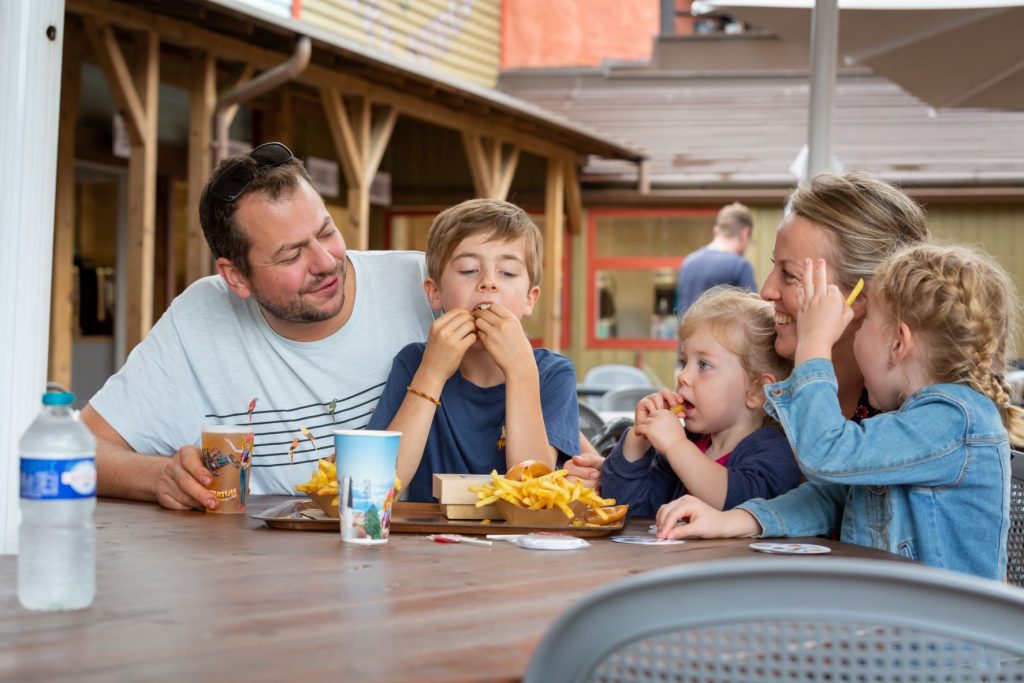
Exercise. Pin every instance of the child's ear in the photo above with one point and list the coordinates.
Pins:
(755, 392)
(902, 344)
(433, 293)
(238, 283)
(531, 299)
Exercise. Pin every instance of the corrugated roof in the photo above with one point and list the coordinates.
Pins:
(744, 129)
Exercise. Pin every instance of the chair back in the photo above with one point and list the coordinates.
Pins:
(788, 619)
(590, 422)
(613, 375)
(624, 398)
(1015, 538)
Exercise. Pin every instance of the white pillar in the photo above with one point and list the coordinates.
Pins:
(31, 45)
(824, 44)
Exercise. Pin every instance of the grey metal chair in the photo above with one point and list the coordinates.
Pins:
(624, 398)
(789, 619)
(614, 375)
(604, 378)
(1015, 538)
(590, 422)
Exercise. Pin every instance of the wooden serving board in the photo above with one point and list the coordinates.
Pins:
(414, 518)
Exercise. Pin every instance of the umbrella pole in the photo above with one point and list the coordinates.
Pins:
(824, 39)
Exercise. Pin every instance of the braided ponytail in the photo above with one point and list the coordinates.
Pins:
(964, 305)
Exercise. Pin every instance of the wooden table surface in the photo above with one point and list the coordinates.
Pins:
(187, 596)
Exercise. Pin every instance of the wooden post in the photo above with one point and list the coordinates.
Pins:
(202, 98)
(573, 197)
(554, 201)
(142, 196)
(134, 91)
(360, 143)
(62, 323)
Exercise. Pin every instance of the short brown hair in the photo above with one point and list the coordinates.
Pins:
(505, 222)
(225, 236)
(867, 219)
(733, 218)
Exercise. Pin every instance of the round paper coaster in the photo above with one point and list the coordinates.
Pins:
(645, 540)
(791, 548)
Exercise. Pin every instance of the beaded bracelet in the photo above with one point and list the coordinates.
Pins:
(422, 395)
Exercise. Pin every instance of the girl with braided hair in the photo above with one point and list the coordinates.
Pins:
(929, 480)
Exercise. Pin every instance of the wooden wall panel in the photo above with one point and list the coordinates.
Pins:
(458, 37)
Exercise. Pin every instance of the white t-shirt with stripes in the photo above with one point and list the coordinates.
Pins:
(212, 353)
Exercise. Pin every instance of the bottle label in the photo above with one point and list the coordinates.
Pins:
(58, 479)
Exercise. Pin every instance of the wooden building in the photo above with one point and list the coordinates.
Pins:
(390, 140)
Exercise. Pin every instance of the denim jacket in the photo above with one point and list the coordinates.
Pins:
(930, 481)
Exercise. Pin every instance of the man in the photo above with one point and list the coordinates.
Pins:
(295, 336)
(721, 262)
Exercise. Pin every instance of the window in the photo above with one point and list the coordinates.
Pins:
(632, 260)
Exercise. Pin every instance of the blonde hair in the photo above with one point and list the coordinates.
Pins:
(503, 221)
(964, 305)
(733, 218)
(868, 219)
(743, 323)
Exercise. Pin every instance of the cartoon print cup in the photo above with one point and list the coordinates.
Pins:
(366, 483)
(227, 454)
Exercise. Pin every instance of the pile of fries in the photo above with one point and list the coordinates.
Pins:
(323, 482)
(545, 492)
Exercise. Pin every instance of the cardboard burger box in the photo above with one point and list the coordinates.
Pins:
(457, 501)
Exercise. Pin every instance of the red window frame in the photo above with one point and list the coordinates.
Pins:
(595, 264)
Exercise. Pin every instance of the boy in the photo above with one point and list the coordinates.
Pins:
(477, 396)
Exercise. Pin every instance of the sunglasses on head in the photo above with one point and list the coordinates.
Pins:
(231, 183)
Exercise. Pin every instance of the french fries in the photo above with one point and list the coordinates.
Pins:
(545, 492)
(324, 481)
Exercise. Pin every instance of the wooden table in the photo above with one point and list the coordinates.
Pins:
(187, 596)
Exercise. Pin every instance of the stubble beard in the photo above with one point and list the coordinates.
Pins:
(299, 311)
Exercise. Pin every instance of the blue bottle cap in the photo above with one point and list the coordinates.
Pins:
(58, 398)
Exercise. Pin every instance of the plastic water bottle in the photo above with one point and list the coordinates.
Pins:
(57, 538)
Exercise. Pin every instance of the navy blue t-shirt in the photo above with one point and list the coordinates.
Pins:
(469, 424)
(761, 466)
(705, 268)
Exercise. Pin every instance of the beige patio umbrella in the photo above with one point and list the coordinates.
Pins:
(948, 53)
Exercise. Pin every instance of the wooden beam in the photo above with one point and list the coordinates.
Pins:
(573, 197)
(119, 77)
(343, 135)
(551, 299)
(380, 136)
(506, 171)
(491, 167)
(418, 107)
(202, 98)
(62, 322)
(478, 166)
(142, 196)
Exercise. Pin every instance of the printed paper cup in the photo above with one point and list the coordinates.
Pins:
(366, 462)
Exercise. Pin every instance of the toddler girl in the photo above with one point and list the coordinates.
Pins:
(728, 452)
